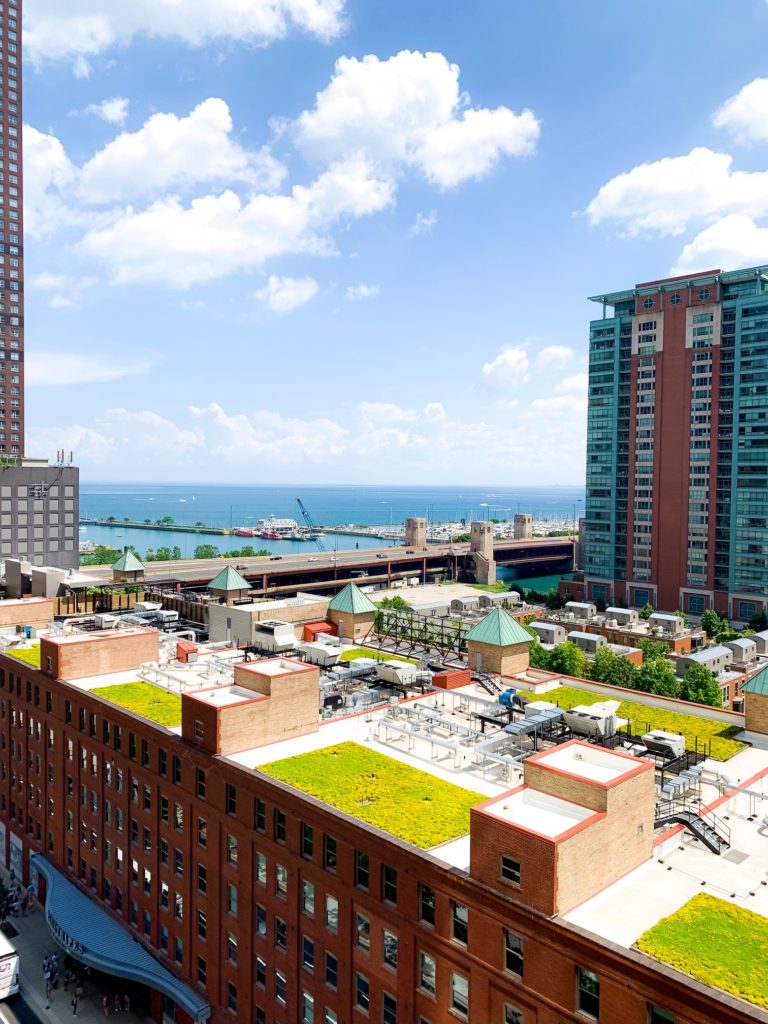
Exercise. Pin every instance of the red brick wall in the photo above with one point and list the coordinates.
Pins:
(98, 654)
(452, 680)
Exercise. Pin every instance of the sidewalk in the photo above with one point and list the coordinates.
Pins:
(34, 942)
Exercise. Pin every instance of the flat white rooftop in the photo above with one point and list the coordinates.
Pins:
(538, 812)
(275, 667)
(588, 762)
(225, 696)
(101, 634)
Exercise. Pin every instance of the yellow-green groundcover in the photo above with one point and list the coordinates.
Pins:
(144, 699)
(717, 943)
(407, 803)
(29, 655)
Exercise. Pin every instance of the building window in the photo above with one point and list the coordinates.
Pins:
(231, 997)
(202, 878)
(512, 1015)
(329, 853)
(510, 870)
(200, 782)
(307, 953)
(587, 993)
(390, 949)
(388, 884)
(280, 988)
(261, 919)
(281, 933)
(232, 947)
(261, 869)
(259, 815)
(361, 870)
(279, 827)
(656, 1015)
(281, 880)
(427, 973)
(202, 924)
(232, 851)
(426, 904)
(261, 971)
(231, 800)
(330, 1016)
(176, 762)
(331, 970)
(695, 604)
(642, 597)
(307, 840)
(362, 992)
(307, 1008)
(178, 950)
(459, 993)
(202, 971)
(513, 953)
(363, 932)
(459, 922)
(388, 1009)
(232, 899)
(331, 913)
(747, 609)
(202, 832)
(308, 898)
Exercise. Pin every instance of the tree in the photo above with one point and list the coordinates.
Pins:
(206, 551)
(537, 656)
(147, 522)
(166, 520)
(568, 659)
(101, 555)
(198, 524)
(395, 602)
(657, 675)
(646, 611)
(603, 665)
(711, 622)
(700, 686)
(554, 601)
(759, 621)
(652, 648)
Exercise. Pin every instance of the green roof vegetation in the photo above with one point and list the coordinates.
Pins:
(352, 601)
(128, 562)
(368, 652)
(693, 728)
(499, 629)
(717, 943)
(499, 587)
(407, 803)
(144, 699)
(29, 655)
(229, 579)
(758, 683)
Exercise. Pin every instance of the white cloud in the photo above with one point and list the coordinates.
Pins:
(358, 292)
(510, 366)
(284, 294)
(56, 369)
(577, 384)
(66, 291)
(666, 195)
(554, 354)
(562, 404)
(176, 152)
(408, 110)
(151, 431)
(48, 172)
(434, 411)
(216, 235)
(424, 223)
(113, 111)
(83, 28)
(732, 242)
(745, 115)
(508, 403)
(385, 412)
(82, 67)
(270, 433)
(87, 443)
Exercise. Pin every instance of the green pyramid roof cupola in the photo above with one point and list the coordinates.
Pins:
(229, 579)
(352, 601)
(499, 629)
(128, 562)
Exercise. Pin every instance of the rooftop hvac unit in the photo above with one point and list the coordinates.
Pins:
(667, 743)
(570, 616)
(594, 719)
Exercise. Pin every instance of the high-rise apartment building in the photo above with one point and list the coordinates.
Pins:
(677, 445)
(39, 502)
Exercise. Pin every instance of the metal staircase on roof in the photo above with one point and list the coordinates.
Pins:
(707, 828)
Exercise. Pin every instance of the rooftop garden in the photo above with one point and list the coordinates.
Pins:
(29, 655)
(717, 943)
(144, 699)
(369, 652)
(407, 803)
(644, 717)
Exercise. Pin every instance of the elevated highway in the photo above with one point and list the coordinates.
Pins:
(541, 556)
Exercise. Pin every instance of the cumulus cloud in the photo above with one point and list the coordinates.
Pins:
(560, 404)
(67, 369)
(64, 291)
(745, 115)
(270, 433)
(79, 29)
(171, 152)
(732, 242)
(510, 366)
(113, 111)
(576, 384)
(554, 354)
(284, 294)
(408, 110)
(48, 172)
(665, 196)
(385, 412)
(424, 223)
(358, 292)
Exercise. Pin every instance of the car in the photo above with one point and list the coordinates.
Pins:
(312, 558)
(381, 555)
(275, 558)
(410, 551)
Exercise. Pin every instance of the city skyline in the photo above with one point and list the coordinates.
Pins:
(365, 215)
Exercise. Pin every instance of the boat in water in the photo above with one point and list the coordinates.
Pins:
(274, 528)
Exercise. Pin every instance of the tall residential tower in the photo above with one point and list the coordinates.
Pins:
(677, 445)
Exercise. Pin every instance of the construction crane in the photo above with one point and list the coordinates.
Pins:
(314, 535)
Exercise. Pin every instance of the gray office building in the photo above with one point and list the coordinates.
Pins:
(39, 513)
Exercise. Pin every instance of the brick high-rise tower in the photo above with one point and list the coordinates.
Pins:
(677, 446)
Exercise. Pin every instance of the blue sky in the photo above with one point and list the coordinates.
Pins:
(346, 241)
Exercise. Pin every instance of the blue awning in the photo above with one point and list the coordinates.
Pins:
(85, 930)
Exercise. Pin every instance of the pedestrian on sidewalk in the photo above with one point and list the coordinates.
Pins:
(105, 1005)
(75, 1001)
(126, 1003)
(47, 994)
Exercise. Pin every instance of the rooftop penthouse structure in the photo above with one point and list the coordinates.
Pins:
(442, 855)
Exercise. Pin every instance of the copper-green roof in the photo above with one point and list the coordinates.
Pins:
(499, 629)
(352, 601)
(758, 683)
(229, 579)
(128, 562)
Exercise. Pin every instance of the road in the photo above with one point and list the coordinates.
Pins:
(16, 1011)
